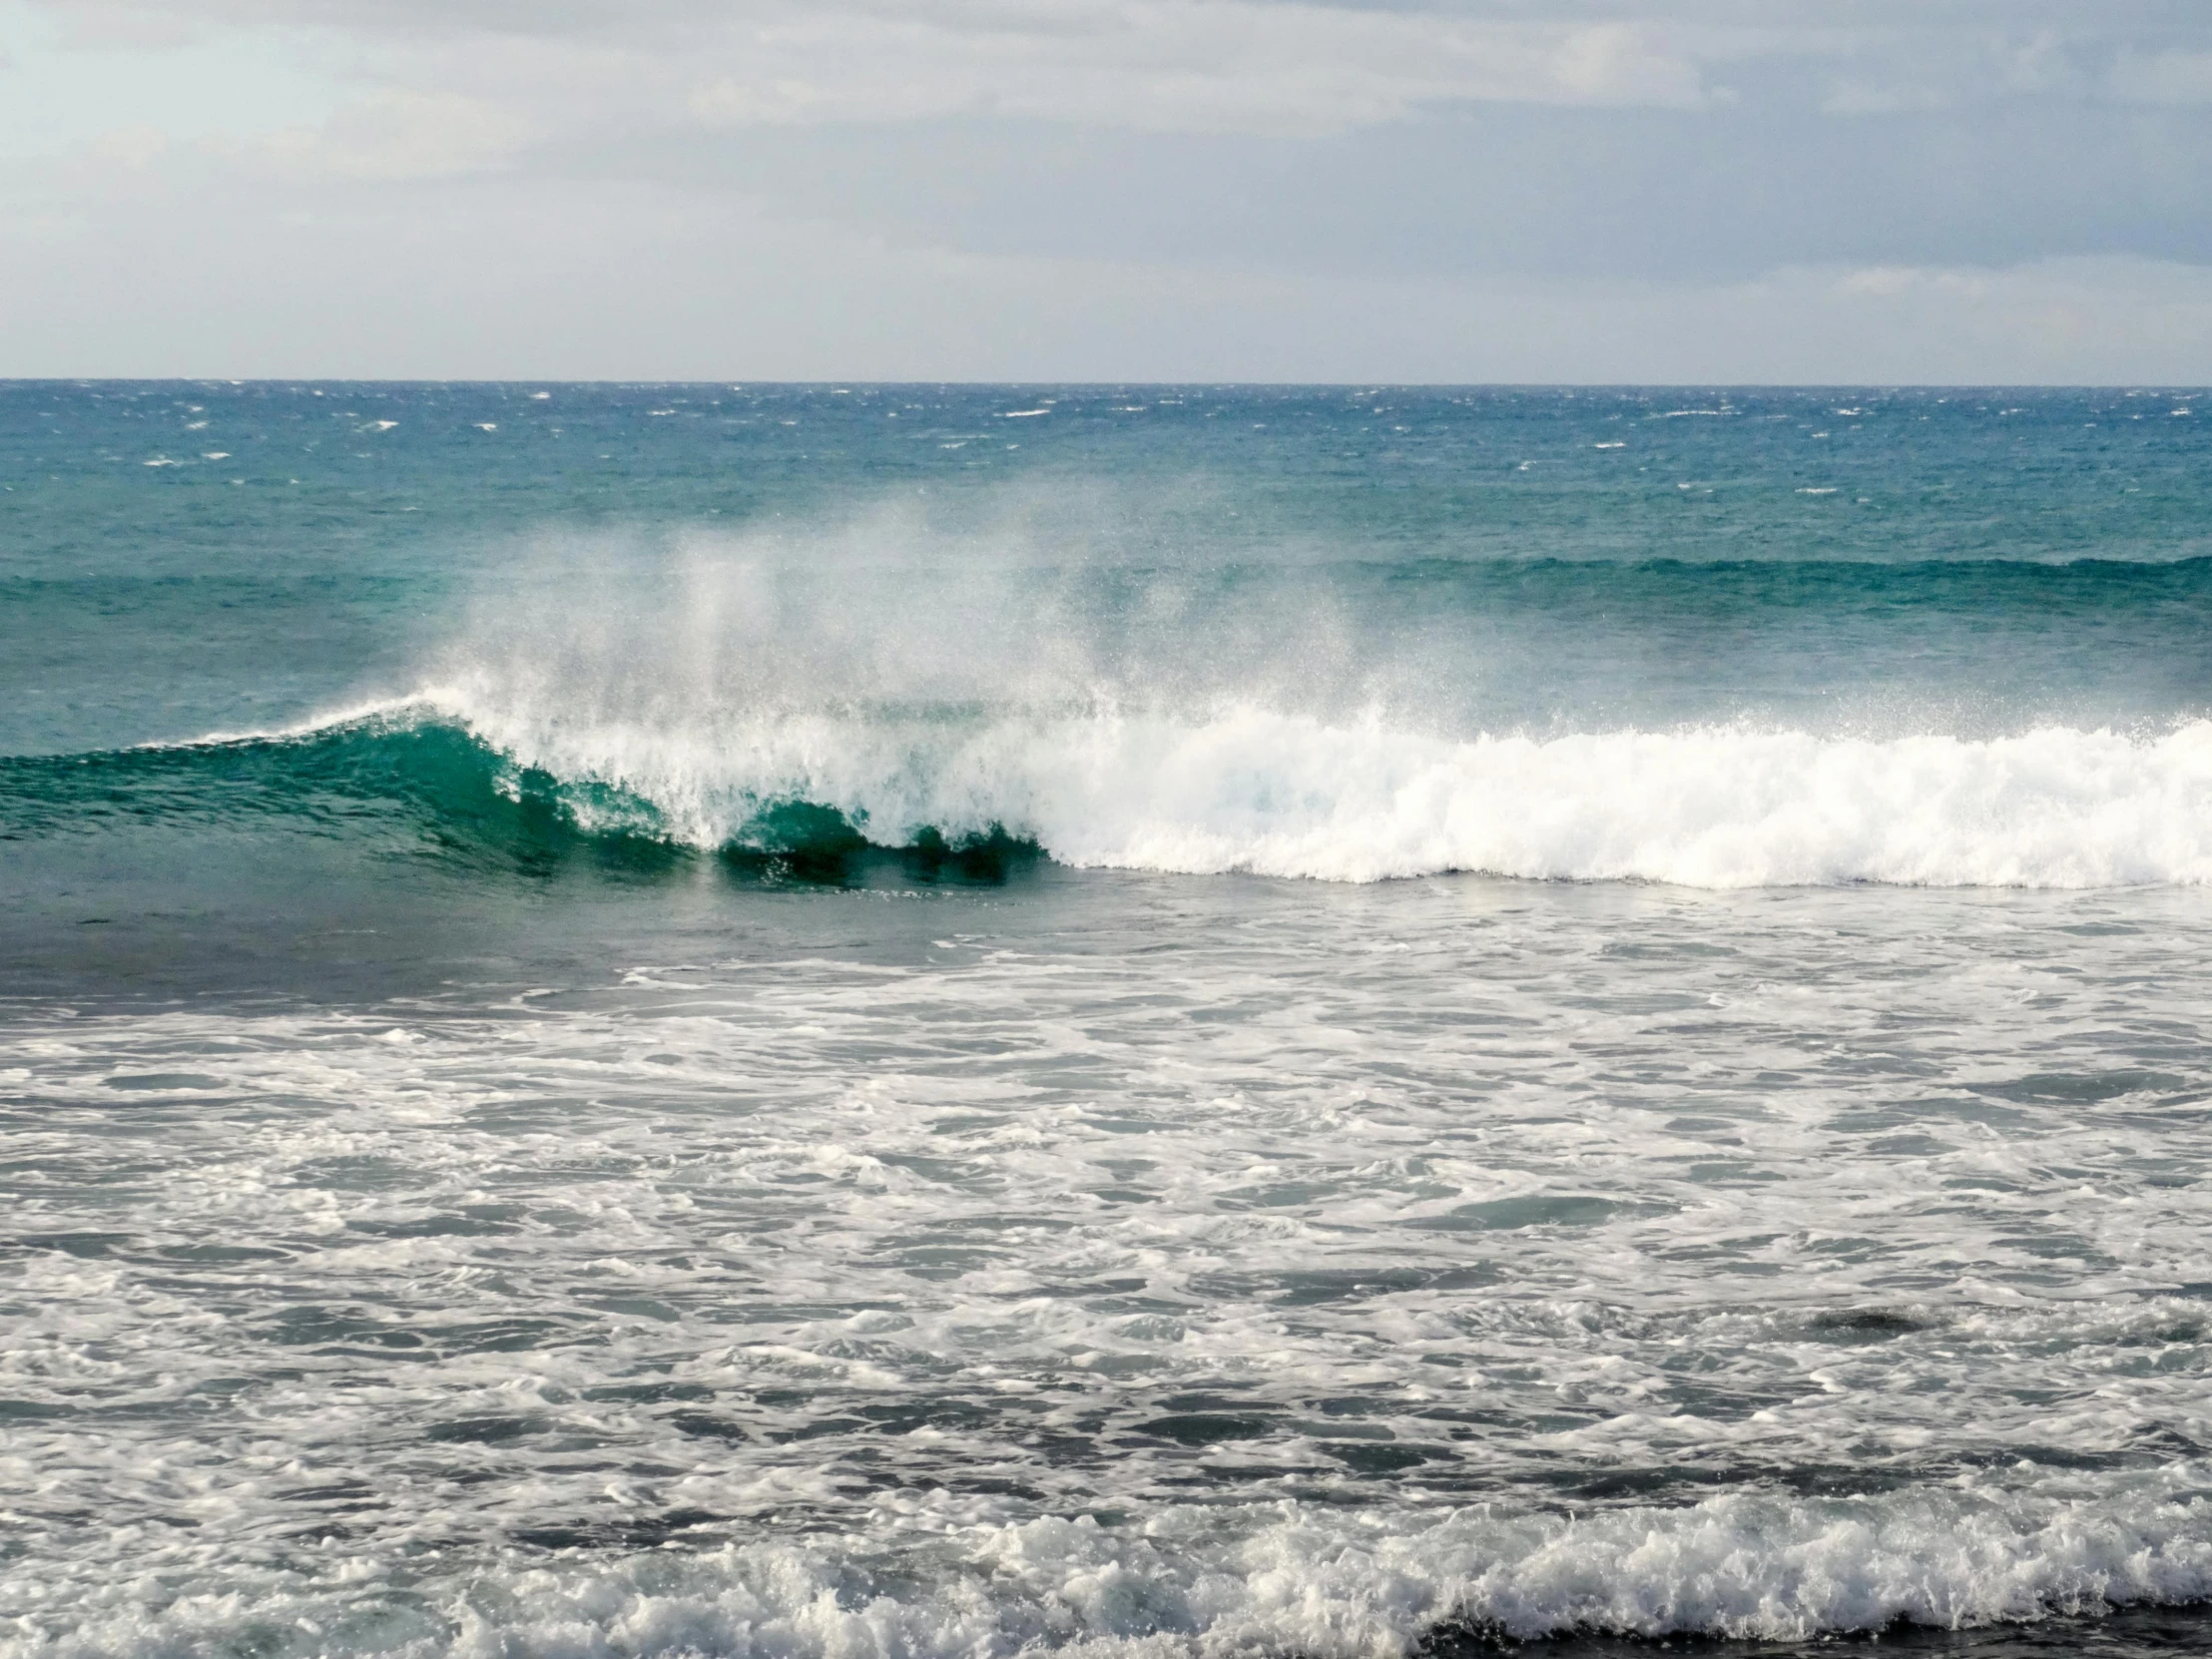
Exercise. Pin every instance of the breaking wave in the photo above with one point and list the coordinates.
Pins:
(1245, 790)
(1263, 792)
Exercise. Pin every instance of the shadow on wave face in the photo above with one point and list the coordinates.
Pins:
(806, 845)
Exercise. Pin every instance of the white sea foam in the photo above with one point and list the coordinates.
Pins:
(1280, 1579)
(1326, 1585)
(1256, 791)
(865, 1247)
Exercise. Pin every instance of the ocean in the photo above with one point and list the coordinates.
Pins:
(913, 1022)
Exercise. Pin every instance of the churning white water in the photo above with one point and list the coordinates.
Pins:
(1181, 1266)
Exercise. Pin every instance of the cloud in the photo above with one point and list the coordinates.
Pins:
(509, 276)
(584, 71)
(1456, 189)
(2170, 77)
(397, 135)
(1895, 281)
(1257, 66)
(1170, 65)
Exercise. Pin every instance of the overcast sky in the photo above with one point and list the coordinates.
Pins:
(1445, 190)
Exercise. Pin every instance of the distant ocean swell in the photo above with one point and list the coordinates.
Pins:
(1277, 1578)
(1239, 789)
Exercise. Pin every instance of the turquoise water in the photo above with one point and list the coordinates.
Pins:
(959, 1020)
(336, 548)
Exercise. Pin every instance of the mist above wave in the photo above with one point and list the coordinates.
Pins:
(1202, 717)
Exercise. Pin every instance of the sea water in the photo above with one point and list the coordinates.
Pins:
(893, 1023)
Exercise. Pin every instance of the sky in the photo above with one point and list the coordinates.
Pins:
(1671, 191)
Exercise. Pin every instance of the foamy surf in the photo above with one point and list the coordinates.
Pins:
(1275, 1579)
(1329, 1586)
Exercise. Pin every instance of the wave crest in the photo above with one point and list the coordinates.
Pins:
(1258, 791)
(1246, 791)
